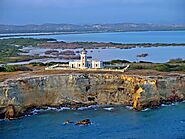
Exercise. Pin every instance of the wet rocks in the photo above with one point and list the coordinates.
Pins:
(67, 122)
(79, 123)
(83, 122)
(142, 55)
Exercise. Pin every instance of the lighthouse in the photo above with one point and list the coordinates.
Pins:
(84, 63)
(83, 55)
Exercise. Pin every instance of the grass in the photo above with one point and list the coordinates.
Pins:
(172, 65)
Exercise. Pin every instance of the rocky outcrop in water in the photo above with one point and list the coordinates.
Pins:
(75, 90)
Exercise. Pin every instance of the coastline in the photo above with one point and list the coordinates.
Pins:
(105, 89)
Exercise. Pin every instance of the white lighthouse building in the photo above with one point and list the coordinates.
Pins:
(85, 63)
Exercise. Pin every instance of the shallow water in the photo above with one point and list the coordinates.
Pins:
(155, 54)
(122, 37)
(112, 122)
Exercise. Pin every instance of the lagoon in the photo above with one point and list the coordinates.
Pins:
(155, 54)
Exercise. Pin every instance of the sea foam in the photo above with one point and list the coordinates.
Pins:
(129, 107)
(108, 109)
(88, 107)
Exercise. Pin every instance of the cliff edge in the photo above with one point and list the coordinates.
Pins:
(78, 89)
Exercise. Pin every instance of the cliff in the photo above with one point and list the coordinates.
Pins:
(78, 89)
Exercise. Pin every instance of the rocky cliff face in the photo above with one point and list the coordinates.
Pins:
(69, 89)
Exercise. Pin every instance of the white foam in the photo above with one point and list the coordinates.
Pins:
(108, 109)
(129, 107)
(88, 107)
(147, 109)
(167, 105)
(36, 111)
(51, 108)
(63, 108)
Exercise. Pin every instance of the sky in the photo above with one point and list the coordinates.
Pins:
(19, 12)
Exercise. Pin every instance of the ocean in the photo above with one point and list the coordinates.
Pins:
(111, 122)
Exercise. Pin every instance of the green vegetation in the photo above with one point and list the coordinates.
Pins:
(178, 60)
(8, 51)
(159, 67)
(172, 65)
(168, 67)
(13, 68)
(47, 64)
(118, 61)
(23, 41)
(12, 59)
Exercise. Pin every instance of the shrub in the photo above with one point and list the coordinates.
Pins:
(10, 68)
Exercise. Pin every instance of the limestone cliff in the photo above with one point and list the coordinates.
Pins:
(56, 90)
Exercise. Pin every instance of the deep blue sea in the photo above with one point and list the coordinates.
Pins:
(167, 122)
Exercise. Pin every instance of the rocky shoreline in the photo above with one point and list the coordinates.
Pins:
(18, 97)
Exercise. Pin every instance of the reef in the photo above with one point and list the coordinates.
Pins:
(19, 95)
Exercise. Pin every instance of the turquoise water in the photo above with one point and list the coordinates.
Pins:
(118, 123)
(124, 37)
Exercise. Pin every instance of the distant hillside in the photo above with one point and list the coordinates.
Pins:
(120, 27)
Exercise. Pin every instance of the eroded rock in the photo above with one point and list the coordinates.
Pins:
(81, 90)
(10, 112)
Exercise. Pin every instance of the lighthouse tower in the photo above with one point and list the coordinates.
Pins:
(84, 63)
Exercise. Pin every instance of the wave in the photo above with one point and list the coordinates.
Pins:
(129, 107)
(147, 109)
(88, 107)
(36, 111)
(167, 105)
(108, 109)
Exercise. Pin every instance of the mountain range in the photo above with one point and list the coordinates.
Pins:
(71, 28)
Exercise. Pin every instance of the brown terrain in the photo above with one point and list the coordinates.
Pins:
(95, 45)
